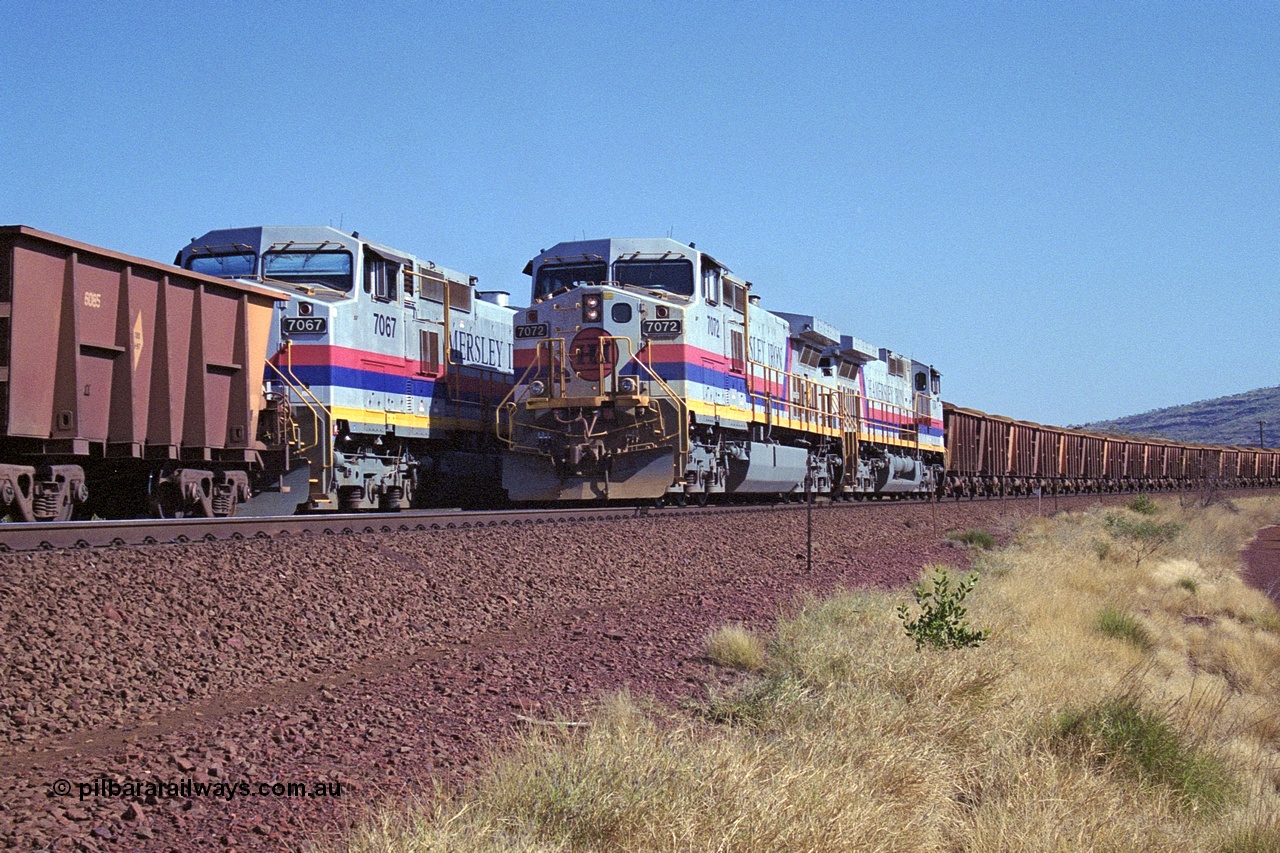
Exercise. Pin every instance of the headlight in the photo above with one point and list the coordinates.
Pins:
(627, 385)
(591, 308)
(537, 387)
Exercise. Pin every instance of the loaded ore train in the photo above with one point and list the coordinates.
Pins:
(280, 369)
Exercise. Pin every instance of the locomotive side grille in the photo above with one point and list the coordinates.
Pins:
(459, 296)
(433, 286)
(4, 342)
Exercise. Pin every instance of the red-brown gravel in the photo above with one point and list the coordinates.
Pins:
(1262, 563)
(387, 663)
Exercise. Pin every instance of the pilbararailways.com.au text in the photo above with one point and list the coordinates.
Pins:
(189, 788)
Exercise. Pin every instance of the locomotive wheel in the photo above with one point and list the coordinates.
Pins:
(703, 497)
(680, 499)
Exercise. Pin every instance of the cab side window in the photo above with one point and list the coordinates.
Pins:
(381, 278)
(711, 284)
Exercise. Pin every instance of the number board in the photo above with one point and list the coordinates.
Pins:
(533, 330)
(304, 326)
(660, 328)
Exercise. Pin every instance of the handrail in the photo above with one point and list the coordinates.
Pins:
(550, 353)
(312, 402)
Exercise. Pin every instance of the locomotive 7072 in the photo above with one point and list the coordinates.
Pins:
(646, 370)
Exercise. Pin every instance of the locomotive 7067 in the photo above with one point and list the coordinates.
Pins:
(384, 369)
(646, 370)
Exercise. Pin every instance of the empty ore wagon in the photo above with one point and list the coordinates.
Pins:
(127, 387)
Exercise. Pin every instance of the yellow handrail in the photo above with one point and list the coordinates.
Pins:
(312, 402)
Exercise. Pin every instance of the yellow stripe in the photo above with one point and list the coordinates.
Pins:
(406, 419)
(782, 422)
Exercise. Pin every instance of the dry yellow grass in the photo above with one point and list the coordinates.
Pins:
(737, 648)
(845, 738)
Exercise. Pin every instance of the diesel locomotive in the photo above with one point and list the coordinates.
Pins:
(383, 369)
(646, 370)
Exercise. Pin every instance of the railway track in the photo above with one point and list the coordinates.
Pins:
(46, 536)
(140, 532)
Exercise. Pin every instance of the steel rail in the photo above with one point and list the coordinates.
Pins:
(47, 535)
(38, 536)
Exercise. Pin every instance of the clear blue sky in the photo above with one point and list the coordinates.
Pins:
(1071, 209)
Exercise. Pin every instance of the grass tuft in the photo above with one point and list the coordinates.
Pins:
(974, 538)
(1121, 729)
(1262, 837)
(1124, 626)
(736, 647)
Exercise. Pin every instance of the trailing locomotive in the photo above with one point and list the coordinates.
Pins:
(647, 370)
(384, 369)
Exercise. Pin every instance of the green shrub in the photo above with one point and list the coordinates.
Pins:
(974, 538)
(941, 622)
(1123, 626)
(1143, 505)
(1141, 537)
(1121, 730)
(1189, 585)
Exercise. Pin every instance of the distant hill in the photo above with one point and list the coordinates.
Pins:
(1226, 420)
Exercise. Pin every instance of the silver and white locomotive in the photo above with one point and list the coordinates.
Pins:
(385, 369)
(645, 370)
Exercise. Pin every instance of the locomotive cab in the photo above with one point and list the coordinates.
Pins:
(593, 413)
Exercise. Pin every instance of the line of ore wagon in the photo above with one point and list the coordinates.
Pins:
(989, 455)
